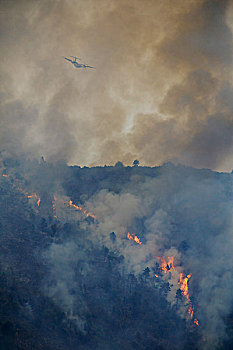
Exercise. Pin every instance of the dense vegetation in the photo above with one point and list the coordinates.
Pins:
(60, 289)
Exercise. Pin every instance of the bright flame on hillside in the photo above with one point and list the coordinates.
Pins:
(184, 285)
(34, 195)
(166, 265)
(70, 204)
(190, 311)
(134, 238)
(74, 205)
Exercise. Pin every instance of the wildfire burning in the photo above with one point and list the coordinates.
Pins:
(134, 238)
(62, 202)
(184, 289)
(184, 285)
(190, 311)
(84, 211)
(34, 195)
(166, 265)
(70, 204)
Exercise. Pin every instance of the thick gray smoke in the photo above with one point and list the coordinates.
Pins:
(161, 90)
(182, 213)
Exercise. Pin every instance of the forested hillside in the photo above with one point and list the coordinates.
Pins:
(114, 257)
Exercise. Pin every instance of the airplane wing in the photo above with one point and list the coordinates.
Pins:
(67, 59)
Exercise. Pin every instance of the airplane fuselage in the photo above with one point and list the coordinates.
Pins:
(77, 65)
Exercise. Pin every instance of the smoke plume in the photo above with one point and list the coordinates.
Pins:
(161, 88)
(179, 212)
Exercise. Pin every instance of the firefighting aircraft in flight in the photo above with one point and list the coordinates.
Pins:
(77, 64)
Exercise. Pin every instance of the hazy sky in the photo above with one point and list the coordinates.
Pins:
(162, 88)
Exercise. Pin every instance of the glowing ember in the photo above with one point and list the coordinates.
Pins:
(190, 311)
(5, 175)
(54, 206)
(89, 214)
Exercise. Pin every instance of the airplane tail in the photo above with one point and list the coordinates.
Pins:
(76, 58)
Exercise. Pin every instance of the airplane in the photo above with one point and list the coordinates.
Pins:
(77, 64)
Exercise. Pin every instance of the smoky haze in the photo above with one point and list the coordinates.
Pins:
(175, 211)
(161, 90)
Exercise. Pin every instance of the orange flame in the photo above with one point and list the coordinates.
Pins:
(54, 206)
(166, 265)
(34, 195)
(71, 204)
(190, 311)
(129, 236)
(134, 238)
(75, 206)
(184, 285)
(184, 289)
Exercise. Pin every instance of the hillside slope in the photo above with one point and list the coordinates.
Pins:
(115, 257)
